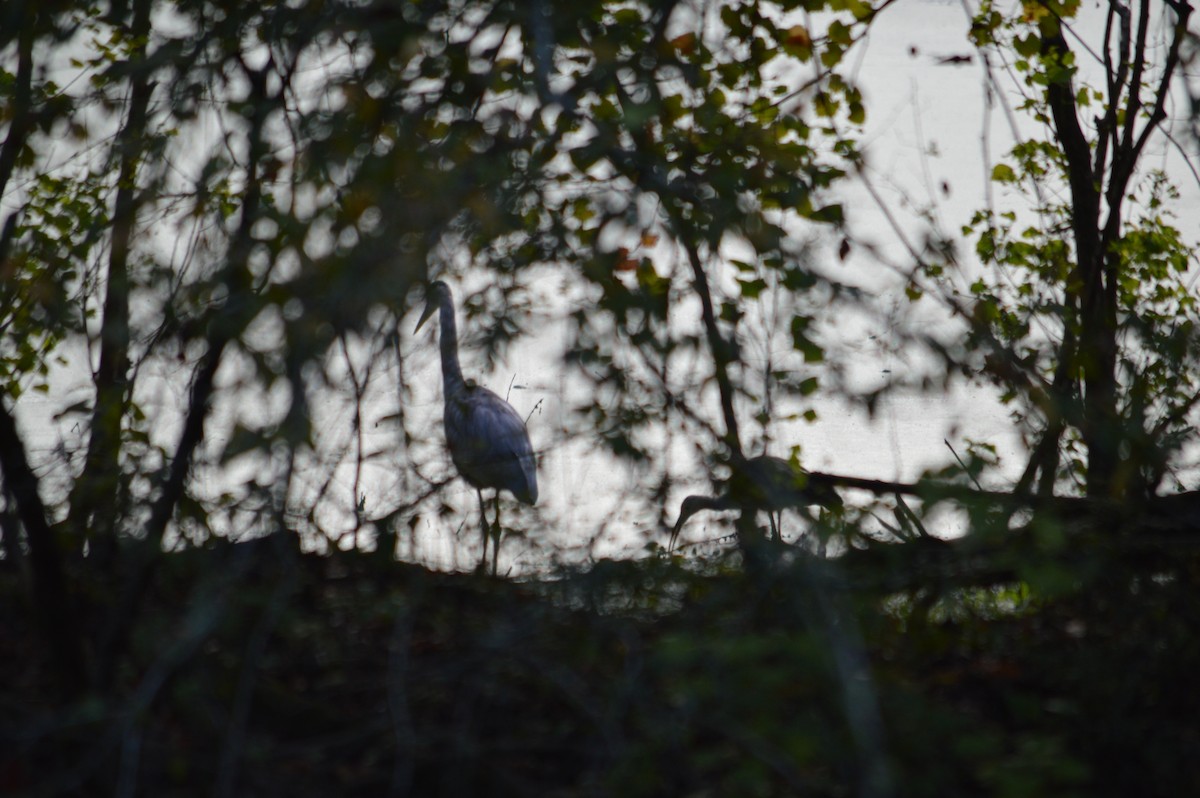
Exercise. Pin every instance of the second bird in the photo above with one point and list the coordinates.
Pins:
(487, 439)
(762, 483)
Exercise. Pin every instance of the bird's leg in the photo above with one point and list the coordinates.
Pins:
(496, 533)
(483, 522)
(814, 533)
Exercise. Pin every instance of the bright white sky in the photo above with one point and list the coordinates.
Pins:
(926, 125)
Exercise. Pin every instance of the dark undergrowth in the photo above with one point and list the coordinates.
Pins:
(260, 671)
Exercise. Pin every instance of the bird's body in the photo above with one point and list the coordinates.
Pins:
(487, 439)
(762, 483)
(489, 444)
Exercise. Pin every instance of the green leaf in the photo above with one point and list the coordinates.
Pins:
(752, 289)
(1003, 173)
(1027, 46)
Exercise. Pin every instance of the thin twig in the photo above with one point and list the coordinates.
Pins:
(961, 463)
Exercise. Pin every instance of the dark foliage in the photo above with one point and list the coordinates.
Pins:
(261, 671)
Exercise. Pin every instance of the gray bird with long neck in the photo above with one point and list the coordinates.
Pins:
(487, 439)
(761, 483)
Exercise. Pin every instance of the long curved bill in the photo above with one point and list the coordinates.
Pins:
(685, 513)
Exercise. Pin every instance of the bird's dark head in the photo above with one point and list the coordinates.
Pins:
(434, 293)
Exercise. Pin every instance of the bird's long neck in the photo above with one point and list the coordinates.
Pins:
(452, 378)
(723, 502)
(698, 503)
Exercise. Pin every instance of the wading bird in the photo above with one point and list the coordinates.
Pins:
(762, 483)
(487, 439)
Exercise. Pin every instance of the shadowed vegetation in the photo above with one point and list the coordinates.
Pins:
(229, 527)
(262, 671)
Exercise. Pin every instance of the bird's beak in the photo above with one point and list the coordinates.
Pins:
(675, 533)
(430, 307)
(685, 513)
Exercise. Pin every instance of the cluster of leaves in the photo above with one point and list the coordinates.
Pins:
(707, 150)
(249, 194)
(1086, 323)
(314, 161)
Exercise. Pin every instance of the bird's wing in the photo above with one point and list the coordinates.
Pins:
(784, 484)
(490, 445)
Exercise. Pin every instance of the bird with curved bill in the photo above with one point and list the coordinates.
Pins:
(487, 439)
(762, 483)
